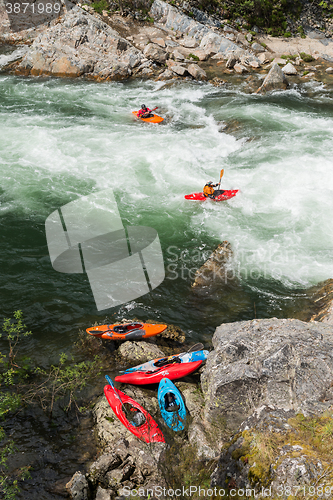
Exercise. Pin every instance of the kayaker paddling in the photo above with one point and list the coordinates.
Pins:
(209, 191)
(144, 112)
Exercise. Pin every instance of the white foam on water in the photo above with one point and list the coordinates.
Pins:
(71, 139)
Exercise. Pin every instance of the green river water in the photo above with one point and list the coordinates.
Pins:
(64, 139)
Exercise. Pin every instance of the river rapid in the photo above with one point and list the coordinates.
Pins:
(63, 139)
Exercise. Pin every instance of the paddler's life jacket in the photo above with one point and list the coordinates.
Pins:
(207, 190)
(143, 111)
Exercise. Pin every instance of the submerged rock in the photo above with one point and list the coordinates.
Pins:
(215, 269)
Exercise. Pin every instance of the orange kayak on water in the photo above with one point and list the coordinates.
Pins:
(151, 119)
(126, 331)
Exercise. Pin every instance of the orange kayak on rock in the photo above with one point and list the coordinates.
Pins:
(151, 119)
(126, 331)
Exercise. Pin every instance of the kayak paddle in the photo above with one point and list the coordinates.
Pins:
(109, 381)
(221, 175)
(196, 347)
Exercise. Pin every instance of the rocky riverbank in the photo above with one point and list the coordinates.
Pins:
(265, 384)
(81, 43)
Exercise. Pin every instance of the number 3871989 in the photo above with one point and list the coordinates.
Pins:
(34, 8)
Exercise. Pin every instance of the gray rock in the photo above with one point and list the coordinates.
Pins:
(257, 47)
(189, 43)
(166, 75)
(315, 34)
(159, 41)
(284, 363)
(275, 79)
(291, 465)
(249, 37)
(172, 18)
(78, 487)
(136, 353)
(178, 56)
(179, 70)
(155, 53)
(197, 72)
(232, 60)
(329, 70)
(322, 296)
(240, 68)
(215, 267)
(81, 45)
(103, 494)
(289, 69)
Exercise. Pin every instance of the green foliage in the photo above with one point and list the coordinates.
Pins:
(306, 57)
(267, 14)
(194, 57)
(61, 382)
(287, 34)
(300, 30)
(9, 486)
(13, 331)
(100, 6)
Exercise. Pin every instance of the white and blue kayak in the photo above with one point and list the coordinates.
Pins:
(171, 405)
(156, 364)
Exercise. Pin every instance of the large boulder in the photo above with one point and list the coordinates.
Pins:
(276, 79)
(136, 353)
(155, 53)
(286, 363)
(197, 72)
(81, 44)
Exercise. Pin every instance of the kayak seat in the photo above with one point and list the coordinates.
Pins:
(170, 403)
(218, 192)
(167, 361)
(127, 328)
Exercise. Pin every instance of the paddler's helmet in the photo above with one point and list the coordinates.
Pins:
(143, 106)
(209, 183)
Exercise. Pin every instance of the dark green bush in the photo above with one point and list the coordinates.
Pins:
(306, 57)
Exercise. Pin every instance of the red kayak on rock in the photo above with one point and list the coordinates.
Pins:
(135, 418)
(171, 372)
(220, 195)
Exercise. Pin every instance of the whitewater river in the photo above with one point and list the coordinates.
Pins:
(63, 139)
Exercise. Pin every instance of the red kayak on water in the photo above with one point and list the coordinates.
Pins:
(171, 372)
(135, 418)
(220, 195)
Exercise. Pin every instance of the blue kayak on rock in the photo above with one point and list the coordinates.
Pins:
(171, 405)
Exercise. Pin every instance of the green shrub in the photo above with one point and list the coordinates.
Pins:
(306, 57)
(287, 34)
(194, 57)
(300, 30)
(100, 6)
(305, 73)
(263, 45)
